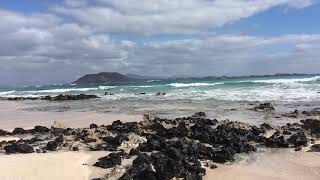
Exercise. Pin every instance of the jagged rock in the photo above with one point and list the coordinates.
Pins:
(18, 148)
(70, 97)
(52, 146)
(41, 129)
(4, 133)
(294, 114)
(90, 139)
(18, 131)
(298, 139)
(210, 165)
(266, 107)
(276, 141)
(160, 94)
(59, 139)
(299, 148)
(115, 141)
(199, 115)
(109, 161)
(266, 127)
(103, 147)
(75, 148)
(314, 112)
(139, 168)
(120, 127)
(312, 125)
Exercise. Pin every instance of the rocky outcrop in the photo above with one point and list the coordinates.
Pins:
(166, 148)
(60, 97)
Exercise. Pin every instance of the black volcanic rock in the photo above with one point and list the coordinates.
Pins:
(101, 78)
(18, 148)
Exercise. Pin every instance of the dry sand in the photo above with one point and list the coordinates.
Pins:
(276, 164)
(12, 116)
(50, 166)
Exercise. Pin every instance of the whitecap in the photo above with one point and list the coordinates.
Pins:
(192, 84)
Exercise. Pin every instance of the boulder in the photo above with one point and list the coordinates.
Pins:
(264, 107)
(18, 148)
(52, 146)
(41, 129)
(18, 131)
(109, 161)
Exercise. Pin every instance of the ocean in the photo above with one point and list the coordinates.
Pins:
(182, 95)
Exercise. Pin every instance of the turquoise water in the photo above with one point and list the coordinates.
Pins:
(263, 88)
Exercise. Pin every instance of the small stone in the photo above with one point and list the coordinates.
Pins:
(93, 126)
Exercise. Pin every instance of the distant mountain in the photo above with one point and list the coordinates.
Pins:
(102, 78)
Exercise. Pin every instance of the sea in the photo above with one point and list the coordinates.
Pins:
(182, 96)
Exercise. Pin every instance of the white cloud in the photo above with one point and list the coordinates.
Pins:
(146, 17)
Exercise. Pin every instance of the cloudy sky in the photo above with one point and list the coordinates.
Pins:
(57, 41)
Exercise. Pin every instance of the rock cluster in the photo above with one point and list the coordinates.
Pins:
(60, 97)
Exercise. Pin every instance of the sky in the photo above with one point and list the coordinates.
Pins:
(58, 41)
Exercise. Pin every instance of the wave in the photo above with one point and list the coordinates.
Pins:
(6, 93)
(192, 84)
(286, 81)
(71, 90)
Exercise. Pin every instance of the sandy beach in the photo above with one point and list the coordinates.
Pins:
(278, 164)
(13, 115)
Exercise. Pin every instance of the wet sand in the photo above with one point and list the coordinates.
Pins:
(12, 115)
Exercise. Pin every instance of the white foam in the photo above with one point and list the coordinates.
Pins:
(6, 93)
(286, 81)
(192, 84)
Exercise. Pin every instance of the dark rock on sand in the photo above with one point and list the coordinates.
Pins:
(312, 125)
(109, 161)
(266, 107)
(69, 97)
(115, 141)
(41, 129)
(18, 131)
(52, 146)
(277, 140)
(298, 139)
(199, 115)
(18, 148)
(4, 133)
(93, 126)
(120, 127)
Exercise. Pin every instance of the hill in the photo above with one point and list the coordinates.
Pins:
(102, 78)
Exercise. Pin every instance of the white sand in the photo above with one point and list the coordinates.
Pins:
(12, 116)
(50, 166)
(278, 164)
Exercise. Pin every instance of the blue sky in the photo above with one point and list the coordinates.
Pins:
(59, 40)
